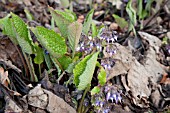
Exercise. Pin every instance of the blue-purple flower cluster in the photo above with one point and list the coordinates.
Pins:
(88, 44)
(106, 37)
(104, 41)
(108, 63)
(109, 37)
(108, 96)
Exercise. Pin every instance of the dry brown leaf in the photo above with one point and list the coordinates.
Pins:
(165, 79)
(4, 77)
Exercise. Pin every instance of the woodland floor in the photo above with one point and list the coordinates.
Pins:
(142, 70)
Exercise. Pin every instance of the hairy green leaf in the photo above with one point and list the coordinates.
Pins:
(7, 27)
(79, 68)
(83, 71)
(74, 33)
(88, 22)
(95, 90)
(94, 30)
(120, 21)
(69, 12)
(64, 61)
(54, 43)
(62, 19)
(102, 76)
(23, 35)
(39, 58)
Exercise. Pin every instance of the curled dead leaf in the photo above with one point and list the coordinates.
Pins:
(4, 77)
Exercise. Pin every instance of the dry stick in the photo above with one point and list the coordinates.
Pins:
(156, 14)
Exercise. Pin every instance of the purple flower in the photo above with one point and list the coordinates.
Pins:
(91, 44)
(108, 96)
(86, 102)
(106, 110)
(113, 98)
(106, 89)
(102, 104)
(119, 98)
(46, 52)
(109, 67)
(114, 35)
(97, 103)
(99, 47)
(168, 49)
(125, 0)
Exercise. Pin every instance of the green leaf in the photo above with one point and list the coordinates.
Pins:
(87, 22)
(64, 61)
(54, 43)
(69, 12)
(165, 40)
(140, 8)
(94, 30)
(28, 14)
(120, 21)
(132, 14)
(74, 33)
(142, 13)
(23, 35)
(39, 58)
(148, 6)
(102, 76)
(71, 66)
(83, 71)
(62, 19)
(95, 90)
(48, 60)
(7, 27)
(56, 65)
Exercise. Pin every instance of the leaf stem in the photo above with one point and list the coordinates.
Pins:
(58, 63)
(33, 76)
(26, 69)
(60, 77)
(39, 67)
(82, 100)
